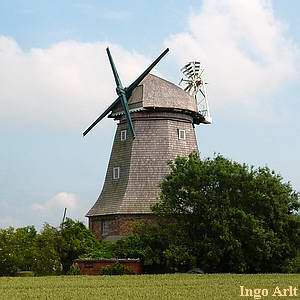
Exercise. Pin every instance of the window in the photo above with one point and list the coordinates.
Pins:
(181, 134)
(116, 173)
(123, 135)
(105, 224)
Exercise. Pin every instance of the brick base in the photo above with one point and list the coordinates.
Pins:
(113, 227)
(94, 267)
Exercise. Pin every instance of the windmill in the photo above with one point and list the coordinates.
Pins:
(194, 84)
(155, 123)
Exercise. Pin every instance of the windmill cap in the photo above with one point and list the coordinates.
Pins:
(156, 92)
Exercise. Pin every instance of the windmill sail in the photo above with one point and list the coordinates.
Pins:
(124, 93)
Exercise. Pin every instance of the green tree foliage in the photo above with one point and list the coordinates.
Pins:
(74, 270)
(221, 216)
(77, 241)
(16, 247)
(116, 269)
(46, 259)
(178, 258)
(8, 260)
(24, 238)
(57, 248)
(153, 245)
(147, 244)
(50, 252)
(230, 217)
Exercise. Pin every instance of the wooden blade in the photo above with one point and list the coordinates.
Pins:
(121, 92)
(127, 113)
(124, 94)
(106, 112)
(114, 69)
(130, 88)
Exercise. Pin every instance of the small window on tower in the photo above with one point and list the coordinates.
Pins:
(105, 224)
(116, 173)
(123, 135)
(181, 134)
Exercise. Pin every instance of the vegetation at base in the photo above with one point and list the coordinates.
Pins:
(116, 269)
(214, 214)
(50, 252)
(74, 270)
(16, 249)
(151, 244)
(220, 216)
(170, 286)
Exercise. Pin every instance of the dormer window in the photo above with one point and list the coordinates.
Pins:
(181, 134)
(116, 173)
(123, 135)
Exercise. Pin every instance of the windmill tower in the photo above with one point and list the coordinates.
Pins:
(155, 123)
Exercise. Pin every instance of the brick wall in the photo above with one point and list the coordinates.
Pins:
(93, 267)
(118, 225)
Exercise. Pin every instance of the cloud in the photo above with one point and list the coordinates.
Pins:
(244, 48)
(66, 85)
(60, 200)
(51, 210)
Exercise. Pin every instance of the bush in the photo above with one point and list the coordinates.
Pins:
(50, 252)
(74, 270)
(116, 269)
(148, 244)
(46, 256)
(25, 274)
(178, 259)
(77, 241)
(16, 249)
(103, 250)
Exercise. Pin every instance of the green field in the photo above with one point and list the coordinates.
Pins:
(177, 286)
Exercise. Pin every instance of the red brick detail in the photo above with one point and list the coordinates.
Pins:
(93, 267)
(119, 225)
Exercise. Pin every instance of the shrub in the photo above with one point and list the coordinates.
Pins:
(178, 259)
(74, 270)
(16, 249)
(116, 269)
(25, 274)
(77, 241)
(46, 256)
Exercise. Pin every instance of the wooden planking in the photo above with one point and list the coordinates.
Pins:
(155, 92)
(143, 162)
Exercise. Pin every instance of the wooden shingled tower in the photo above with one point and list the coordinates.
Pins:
(155, 123)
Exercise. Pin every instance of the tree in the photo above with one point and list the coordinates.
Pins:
(231, 217)
(57, 248)
(24, 240)
(16, 247)
(147, 244)
(46, 259)
(155, 247)
(50, 252)
(76, 240)
(8, 259)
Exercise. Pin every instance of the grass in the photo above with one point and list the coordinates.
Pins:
(176, 286)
